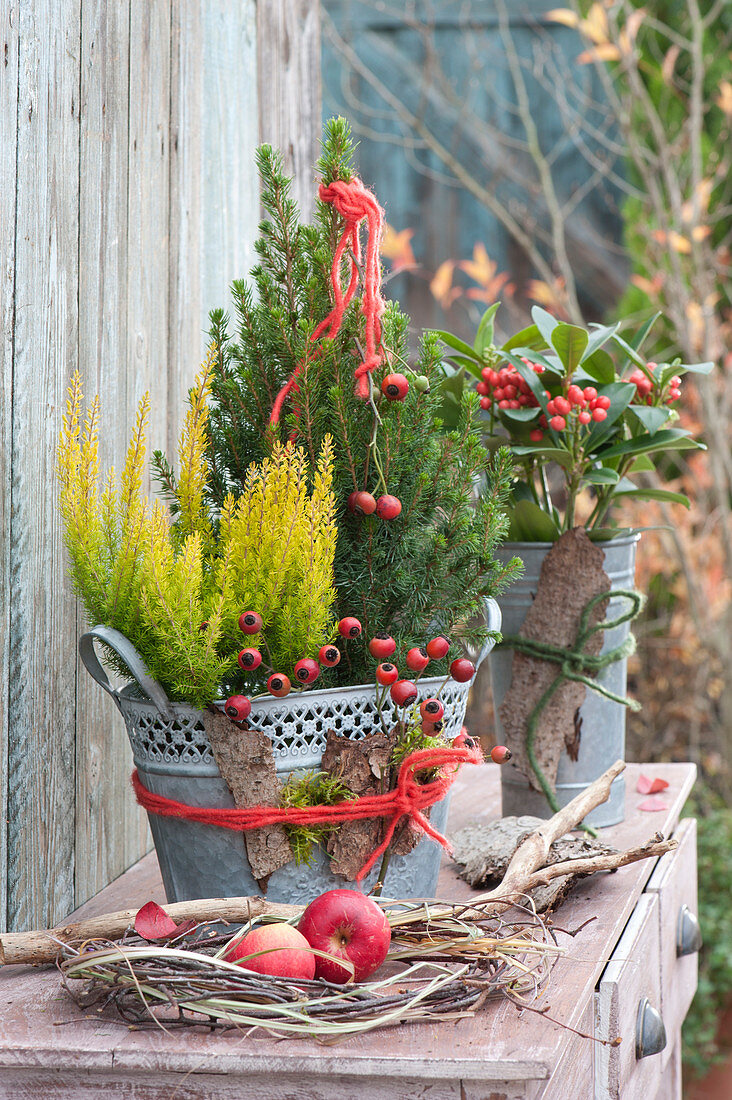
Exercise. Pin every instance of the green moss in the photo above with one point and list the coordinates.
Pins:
(311, 789)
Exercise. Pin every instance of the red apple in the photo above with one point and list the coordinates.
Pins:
(350, 926)
(288, 953)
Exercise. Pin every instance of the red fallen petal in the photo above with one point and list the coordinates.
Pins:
(651, 805)
(153, 923)
(650, 786)
(185, 927)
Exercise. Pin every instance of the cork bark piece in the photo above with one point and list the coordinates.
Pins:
(246, 761)
(360, 766)
(572, 573)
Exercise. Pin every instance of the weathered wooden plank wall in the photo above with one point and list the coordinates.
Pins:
(127, 134)
(9, 12)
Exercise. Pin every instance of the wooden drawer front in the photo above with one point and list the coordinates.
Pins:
(674, 883)
(574, 1076)
(671, 1078)
(632, 974)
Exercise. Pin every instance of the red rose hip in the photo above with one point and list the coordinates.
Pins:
(382, 645)
(249, 659)
(307, 670)
(237, 707)
(437, 648)
(349, 627)
(388, 507)
(462, 670)
(431, 710)
(404, 693)
(279, 684)
(395, 387)
(250, 622)
(387, 673)
(500, 754)
(417, 659)
(361, 503)
(329, 655)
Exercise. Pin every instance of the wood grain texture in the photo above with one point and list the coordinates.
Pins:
(127, 132)
(109, 832)
(671, 1084)
(9, 42)
(42, 628)
(148, 213)
(214, 192)
(288, 44)
(574, 1076)
(25, 1085)
(674, 882)
(633, 972)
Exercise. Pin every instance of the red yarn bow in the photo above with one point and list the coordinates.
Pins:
(354, 203)
(408, 799)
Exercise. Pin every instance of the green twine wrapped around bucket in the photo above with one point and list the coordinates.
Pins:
(575, 664)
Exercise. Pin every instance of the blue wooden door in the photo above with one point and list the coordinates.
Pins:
(381, 73)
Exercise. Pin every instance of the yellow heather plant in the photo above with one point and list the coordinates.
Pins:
(176, 588)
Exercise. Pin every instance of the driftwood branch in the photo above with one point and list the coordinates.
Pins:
(525, 871)
(38, 947)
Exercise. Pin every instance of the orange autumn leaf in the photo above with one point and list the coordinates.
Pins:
(674, 240)
(441, 284)
(669, 63)
(481, 268)
(563, 15)
(606, 51)
(396, 247)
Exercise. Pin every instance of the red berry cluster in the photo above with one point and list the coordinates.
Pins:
(306, 671)
(644, 387)
(499, 753)
(584, 404)
(386, 506)
(507, 388)
(403, 692)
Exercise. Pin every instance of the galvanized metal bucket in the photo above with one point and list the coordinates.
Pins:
(603, 721)
(174, 759)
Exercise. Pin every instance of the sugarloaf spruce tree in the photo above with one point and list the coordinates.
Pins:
(422, 561)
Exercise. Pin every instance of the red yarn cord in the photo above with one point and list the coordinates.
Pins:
(355, 204)
(408, 799)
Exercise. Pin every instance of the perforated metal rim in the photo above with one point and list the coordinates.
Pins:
(297, 726)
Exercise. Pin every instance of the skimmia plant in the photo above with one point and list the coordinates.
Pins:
(584, 413)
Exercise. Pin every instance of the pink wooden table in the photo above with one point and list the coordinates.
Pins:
(50, 1048)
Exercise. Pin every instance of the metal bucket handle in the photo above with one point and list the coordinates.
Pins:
(493, 620)
(125, 650)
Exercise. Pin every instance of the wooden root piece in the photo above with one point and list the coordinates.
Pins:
(484, 851)
(526, 870)
(246, 761)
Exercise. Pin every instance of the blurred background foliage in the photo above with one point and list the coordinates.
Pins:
(579, 157)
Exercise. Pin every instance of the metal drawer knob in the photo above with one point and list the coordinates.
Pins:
(688, 933)
(650, 1034)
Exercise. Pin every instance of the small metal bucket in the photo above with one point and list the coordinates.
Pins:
(174, 759)
(603, 722)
